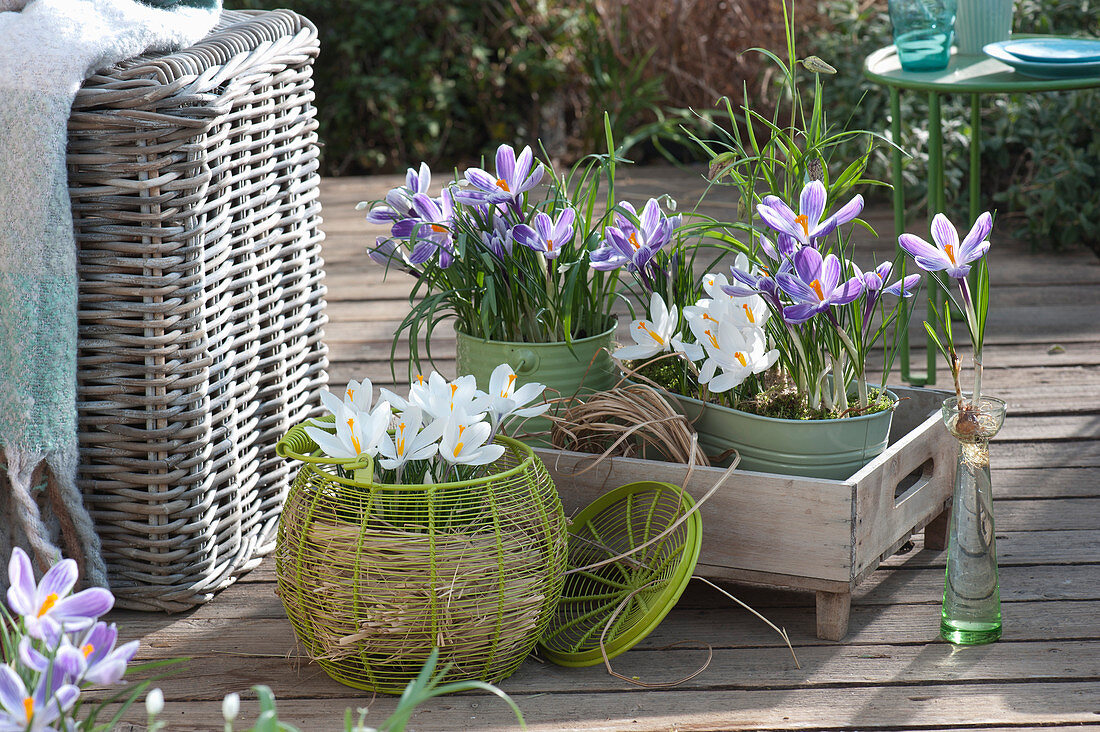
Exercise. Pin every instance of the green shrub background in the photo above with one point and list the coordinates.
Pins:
(401, 81)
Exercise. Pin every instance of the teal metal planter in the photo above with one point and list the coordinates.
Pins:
(818, 448)
(566, 369)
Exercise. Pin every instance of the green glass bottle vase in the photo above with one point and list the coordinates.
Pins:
(972, 595)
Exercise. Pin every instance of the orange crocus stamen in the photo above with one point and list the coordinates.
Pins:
(87, 649)
(817, 288)
(503, 185)
(633, 239)
(350, 393)
(749, 315)
(49, 602)
(354, 439)
(652, 333)
(508, 387)
(741, 357)
(401, 439)
(713, 340)
(950, 250)
(549, 245)
(437, 227)
(420, 379)
(458, 447)
(805, 221)
(28, 708)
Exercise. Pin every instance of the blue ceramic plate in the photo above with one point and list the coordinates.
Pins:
(1042, 69)
(1055, 50)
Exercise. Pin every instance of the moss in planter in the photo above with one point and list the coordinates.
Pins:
(779, 400)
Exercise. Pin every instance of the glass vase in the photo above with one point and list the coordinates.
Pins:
(971, 594)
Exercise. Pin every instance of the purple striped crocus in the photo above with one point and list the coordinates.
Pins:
(514, 177)
(47, 608)
(635, 240)
(807, 226)
(948, 254)
(815, 285)
(547, 235)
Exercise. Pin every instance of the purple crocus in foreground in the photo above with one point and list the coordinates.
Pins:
(23, 710)
(948, 254)
(47, 607)
(547, 236)
(807, 226)
(815, 285)
(514, 177)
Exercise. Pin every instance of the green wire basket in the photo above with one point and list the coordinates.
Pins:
(374, 576)
(624, 600)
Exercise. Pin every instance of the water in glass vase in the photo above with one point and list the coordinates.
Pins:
(971, 597)
(927, 49)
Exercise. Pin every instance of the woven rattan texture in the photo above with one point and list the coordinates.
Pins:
(194, 188)
(373, 576)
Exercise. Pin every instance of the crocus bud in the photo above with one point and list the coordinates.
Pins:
(154, 702)
(231, 705)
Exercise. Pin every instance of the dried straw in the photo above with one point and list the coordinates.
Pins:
(631, 420)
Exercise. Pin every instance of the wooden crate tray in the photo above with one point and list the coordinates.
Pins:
(810, 534)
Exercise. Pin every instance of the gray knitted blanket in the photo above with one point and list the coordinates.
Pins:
(47, 48)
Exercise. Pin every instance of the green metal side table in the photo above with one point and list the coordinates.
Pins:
(973, 75)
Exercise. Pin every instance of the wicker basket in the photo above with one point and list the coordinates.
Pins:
(373, 576)
(194, 188)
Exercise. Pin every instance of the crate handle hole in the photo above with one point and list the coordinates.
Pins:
(914, 481)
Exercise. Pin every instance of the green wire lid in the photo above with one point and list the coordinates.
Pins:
(634, 592)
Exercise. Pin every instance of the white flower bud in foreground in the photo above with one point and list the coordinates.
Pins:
(154, 702)
(231, 705)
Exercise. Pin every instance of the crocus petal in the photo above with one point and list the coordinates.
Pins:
(975, 245)
(944, 234)
(811, 203)
(12, 690)
(903, 287)
(328, 443)
(797, 289)
(21, 590)
(849, 211)
(847, 292)
(84, 607)
(929, 257)
(807, 264)
(524, 235)
(481, 179)
(506, 163)
(427, 207)
(59, 579)
(800, 312)
(775, 217)
(830, 273)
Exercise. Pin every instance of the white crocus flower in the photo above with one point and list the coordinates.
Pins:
(653, 335)
(359, 395)
(738, 353)
(357, 433)
(505, 400)
(442, 399)
(464, 442)
(411, 440)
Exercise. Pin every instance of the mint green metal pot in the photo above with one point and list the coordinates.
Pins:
(579, 368)
(815, 448)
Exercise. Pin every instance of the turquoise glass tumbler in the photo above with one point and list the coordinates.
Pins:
(923, 32)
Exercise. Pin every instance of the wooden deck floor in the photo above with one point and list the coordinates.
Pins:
(891, 672)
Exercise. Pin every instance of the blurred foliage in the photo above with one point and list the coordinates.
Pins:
(1040, 152)
(404, 81)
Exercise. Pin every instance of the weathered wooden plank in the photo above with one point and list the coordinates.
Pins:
(1076, 454)
(862, 708)
(1050, 548)
(1048, 482)
(722, 624)
(745, 668)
